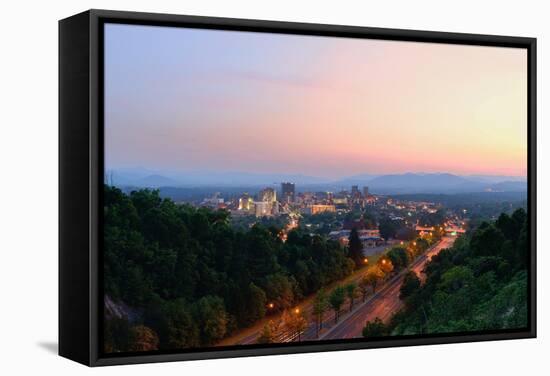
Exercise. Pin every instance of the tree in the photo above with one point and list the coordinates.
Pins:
(432, 219)
(385, 265)
(211, 318)
(375, 328)
(411, 284)
(405, 233)
(295, 322)
(421, 245)
(143, 339)
(351, 292)
(487, 241)
(256, 303)
(192, 277)
(269, 332)
(364, 287)
(336, 299)
(176, 326)
(261, 250)
(117, 334)
(320, 306)
(470, 286)
(355, 248)
(279, 290)
(387, 228)
(373, 276)
(456, 278)
(399, 257)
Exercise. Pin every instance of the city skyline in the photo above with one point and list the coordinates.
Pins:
(182, 99)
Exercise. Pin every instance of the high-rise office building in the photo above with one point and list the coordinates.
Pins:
(355, 193)
(245, 202)
(366, 192)
(263, 208)
(268, 195)
(288, 190)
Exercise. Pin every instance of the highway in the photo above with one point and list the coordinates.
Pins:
(385, 302)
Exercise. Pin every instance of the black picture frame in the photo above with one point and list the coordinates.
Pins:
(81, 182)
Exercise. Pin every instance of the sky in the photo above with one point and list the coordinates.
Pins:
(181, 99)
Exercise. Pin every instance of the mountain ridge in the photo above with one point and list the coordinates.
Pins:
(409, 182)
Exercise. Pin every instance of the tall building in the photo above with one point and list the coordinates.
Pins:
(355, 193)
(262, 208)
(246, 202)
(365, 192)
(268, 195)
(288, 190)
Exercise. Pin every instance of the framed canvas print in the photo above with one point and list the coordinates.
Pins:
(236, 187)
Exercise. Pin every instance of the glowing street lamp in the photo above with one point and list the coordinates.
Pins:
(271, 305)
(366, 260)
(297, 311)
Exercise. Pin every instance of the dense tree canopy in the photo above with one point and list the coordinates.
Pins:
(478, 284)
(355, 248)
(188, 278)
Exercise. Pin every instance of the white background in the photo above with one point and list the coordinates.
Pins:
(28, 186)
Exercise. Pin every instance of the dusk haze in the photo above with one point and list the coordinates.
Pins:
(321, 106)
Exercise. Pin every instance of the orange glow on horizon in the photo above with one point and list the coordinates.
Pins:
(359, 106)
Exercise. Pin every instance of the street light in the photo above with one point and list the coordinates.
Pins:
(366, 260)
(297, 310)
(271, 305)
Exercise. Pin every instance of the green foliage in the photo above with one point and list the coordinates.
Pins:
(373, 276)
(256, 303)
(375, 328)
(294, 322)
(388, 228)
(385, 264)
(117, 336)
(478, 284)
(336, 299)
(269, 332)
(175, 326)
(351, 293)
(410, 285)
(210, 316)
(355, 248)
(191, 278)
(143, 338)
(399, 257)
(432, 219)
(364, 286)
(320, 306)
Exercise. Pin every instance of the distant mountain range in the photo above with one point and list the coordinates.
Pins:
(141, 177)
(441, 183)
(382, 184)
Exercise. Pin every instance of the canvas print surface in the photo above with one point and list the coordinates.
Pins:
(264, 189)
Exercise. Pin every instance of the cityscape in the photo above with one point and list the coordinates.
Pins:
(286, 203)
(429, 223)
(253, 198)
(385, 243)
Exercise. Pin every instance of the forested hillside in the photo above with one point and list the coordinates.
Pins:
(478, 284)
(190, 279)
